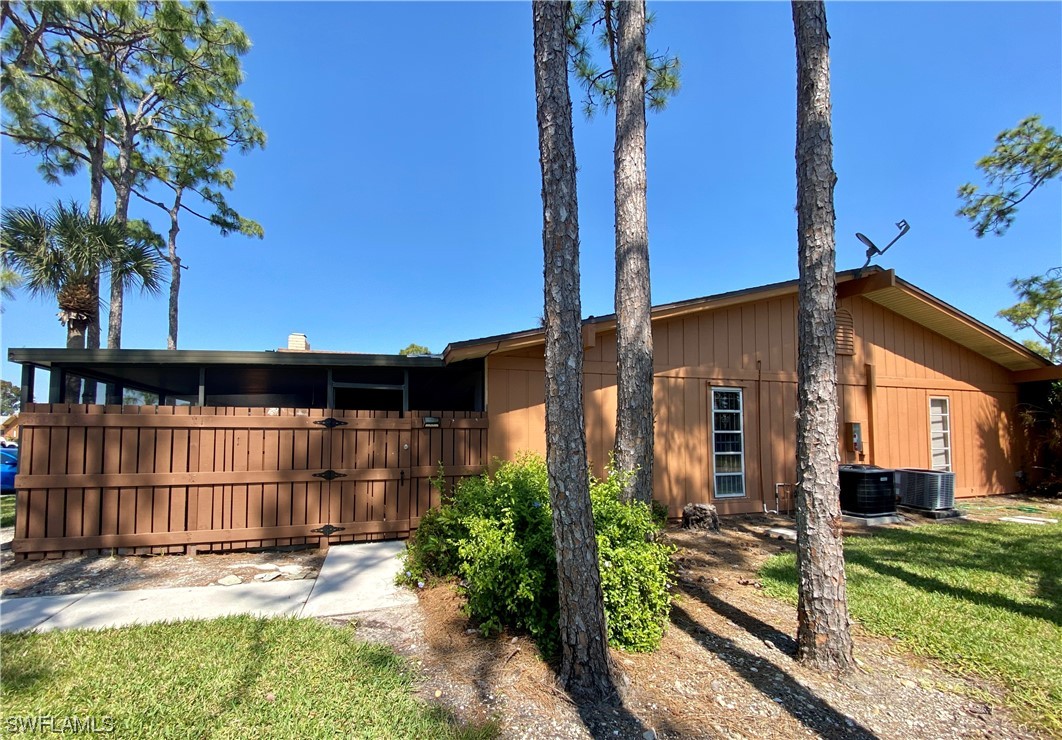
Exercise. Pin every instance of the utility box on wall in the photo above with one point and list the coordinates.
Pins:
(853, 436)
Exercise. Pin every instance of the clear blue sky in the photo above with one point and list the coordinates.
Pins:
(400, 190)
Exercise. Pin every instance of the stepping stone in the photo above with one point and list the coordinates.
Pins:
(266, 577)
(230, 580)
(291, 570)
(783, 533)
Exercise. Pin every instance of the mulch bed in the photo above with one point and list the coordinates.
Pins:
(725, 669)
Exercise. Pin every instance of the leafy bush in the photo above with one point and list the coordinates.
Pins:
(495, 534)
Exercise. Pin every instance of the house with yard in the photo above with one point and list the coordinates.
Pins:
(261, 449)
(9, 428)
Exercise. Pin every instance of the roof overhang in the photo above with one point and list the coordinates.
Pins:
(915, 304)
(875, 284)
(178, 371)
(47, 357)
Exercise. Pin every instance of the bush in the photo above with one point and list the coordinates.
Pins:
(495, 534)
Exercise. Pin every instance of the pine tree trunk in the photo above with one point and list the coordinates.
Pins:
(95, 206)
(634, 337)
(586, 667)
(123, 190)
(114, 315)
(175, 269)
(823, 637)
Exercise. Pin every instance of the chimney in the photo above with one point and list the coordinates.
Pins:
(298, 343)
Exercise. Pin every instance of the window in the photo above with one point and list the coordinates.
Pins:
(939, 434)
(728, 442)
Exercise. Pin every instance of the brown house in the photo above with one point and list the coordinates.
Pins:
(921, 383)
(258, 449)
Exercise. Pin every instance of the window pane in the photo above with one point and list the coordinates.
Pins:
(727, 400)
(728, 442)
(938, 405)
(726, 421)
(729, 485)
(728, 463)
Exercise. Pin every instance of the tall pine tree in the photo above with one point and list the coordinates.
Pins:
(586, 666)
(823, 637)
(631, 78)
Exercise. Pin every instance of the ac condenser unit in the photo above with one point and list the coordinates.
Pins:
(926, 489)
(867, 490)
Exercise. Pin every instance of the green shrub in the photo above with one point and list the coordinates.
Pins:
(635, 567)
(495, 534)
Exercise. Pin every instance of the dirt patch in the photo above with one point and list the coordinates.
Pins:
(725, 669)
(127, 572)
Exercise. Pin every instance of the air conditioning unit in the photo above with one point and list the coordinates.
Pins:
(926, 489)
(867, 490)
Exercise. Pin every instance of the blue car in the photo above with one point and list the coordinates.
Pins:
(8, 468)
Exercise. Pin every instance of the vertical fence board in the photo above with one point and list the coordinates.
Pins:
(75, 497)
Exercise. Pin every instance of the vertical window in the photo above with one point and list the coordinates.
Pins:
(728, 442)
(939, 434)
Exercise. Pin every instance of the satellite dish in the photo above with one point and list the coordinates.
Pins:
(872, 248)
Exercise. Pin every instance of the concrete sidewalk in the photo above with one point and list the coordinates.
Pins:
(354, 578)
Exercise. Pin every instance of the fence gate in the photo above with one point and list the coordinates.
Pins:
(185, 479)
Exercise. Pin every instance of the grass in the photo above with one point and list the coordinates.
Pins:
(7, 511)
(234, 677)
(983, 598)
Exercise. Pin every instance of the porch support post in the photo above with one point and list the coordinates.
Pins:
(115, 394)
(202, 386)
(26, 393)
(56, 385)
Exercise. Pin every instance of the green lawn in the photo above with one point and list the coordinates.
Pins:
(7, 511)
(235, 677)
(982, 598)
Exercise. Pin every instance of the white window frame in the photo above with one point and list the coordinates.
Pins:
(740, 412)
(948, 446)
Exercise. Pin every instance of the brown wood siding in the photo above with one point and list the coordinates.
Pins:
(162, 479)
(753, 347)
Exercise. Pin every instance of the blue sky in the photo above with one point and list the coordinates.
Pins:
(400, 189)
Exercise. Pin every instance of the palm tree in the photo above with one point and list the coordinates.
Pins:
(9, 280)
(57, 252)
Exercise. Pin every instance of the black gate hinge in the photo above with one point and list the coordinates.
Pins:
(329, 475)
(331, 422)
(328, 530)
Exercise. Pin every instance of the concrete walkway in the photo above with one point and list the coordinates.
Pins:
(354, 578)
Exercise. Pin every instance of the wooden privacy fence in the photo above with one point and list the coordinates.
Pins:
(175, 479)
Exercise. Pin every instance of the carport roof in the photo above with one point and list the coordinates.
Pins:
(177, 371)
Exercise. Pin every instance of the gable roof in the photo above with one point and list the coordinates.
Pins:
(875, 284)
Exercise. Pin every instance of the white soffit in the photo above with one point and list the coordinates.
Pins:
(965, 331)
